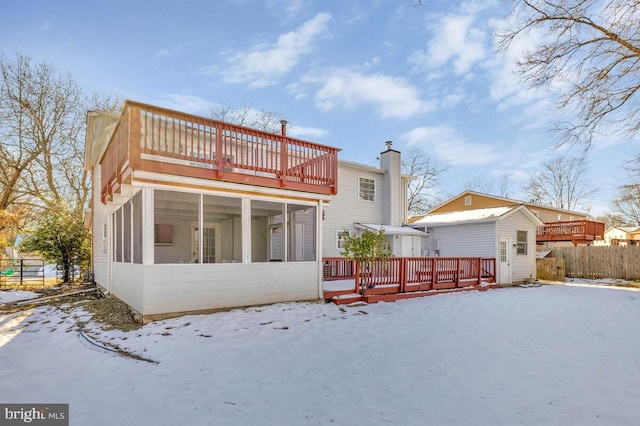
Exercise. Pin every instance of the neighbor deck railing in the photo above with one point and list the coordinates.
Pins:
(154, 139)
(575, 230)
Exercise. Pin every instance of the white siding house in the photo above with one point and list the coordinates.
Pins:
(371, 198)
(504, 233)
(191, 214)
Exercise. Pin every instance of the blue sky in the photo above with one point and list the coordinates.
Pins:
(350, 74)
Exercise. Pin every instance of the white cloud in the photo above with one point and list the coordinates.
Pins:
(455, 41)
(307, 132)
(186, 103)
(263, 65)
(392, 97)
(447, 144)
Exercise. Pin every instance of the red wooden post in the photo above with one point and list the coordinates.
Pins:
(134, 137)
(479, 260)
(219, 159)
(283, 161)
(433, 273)
(357, 278)
(458, 272)
(403, 274)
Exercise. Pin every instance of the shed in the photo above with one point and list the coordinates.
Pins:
(505, 233)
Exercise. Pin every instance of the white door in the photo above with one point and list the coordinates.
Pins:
(407, 247)
(505, 260)
(210, 235)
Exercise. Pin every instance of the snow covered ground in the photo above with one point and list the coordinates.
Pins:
(9, 296)
(550, 355)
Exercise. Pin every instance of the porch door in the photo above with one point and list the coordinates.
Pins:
(410, 246)
(211, 251)
(275, 243)
(505, 260)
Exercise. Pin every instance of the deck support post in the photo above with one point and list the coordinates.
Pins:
(433, 273)
(403, 274)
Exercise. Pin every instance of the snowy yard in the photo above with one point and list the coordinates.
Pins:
(550, 355)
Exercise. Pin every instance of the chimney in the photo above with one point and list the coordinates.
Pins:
(392, 191)
(283, 123)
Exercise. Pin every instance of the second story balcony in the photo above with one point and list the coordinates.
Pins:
(154, 139)
(575, 231)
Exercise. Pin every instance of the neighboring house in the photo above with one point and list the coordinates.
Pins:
(192, 214)
(506, 233)
(561, 226)
(371, 198)
(621, 236)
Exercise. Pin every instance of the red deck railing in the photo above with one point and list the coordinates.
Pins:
(159, 140)
(406, 274)
(575, 231)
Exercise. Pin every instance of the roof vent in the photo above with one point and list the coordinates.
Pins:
(388, 143)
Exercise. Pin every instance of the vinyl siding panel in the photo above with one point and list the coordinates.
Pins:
(346, 207)
(101, 248)
(478, 201)
(127, 284)
(461, 240)
(183, 288)
(522, 266)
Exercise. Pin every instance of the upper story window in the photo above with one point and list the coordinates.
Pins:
(340, 238)
(521, 243)
(367, 190)
(467, 200)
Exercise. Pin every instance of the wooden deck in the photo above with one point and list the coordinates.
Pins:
(149, 138)
(575, 231)
(406, 277)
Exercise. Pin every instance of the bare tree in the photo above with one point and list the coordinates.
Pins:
(501, 188)
(41, 114)
(610, 220)
(424, 187)
(481, 184)
(269, 121)
(589, 54)
(627, 205)
(560, 183)
(42, 123)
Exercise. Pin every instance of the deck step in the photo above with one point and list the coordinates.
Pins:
(347, 298)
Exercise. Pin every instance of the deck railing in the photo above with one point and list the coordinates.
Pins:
(404, 274)
(155, 139)
(575, 230)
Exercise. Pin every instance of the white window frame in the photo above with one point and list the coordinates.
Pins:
(360, 189)
(340, 234)
(467, 200)
(522, 245)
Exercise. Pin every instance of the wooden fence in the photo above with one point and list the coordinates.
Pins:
(550, 268)
(600, 261)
